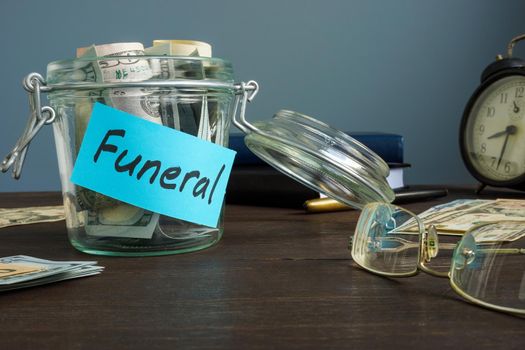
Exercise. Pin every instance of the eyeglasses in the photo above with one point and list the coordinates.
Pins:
(488, 262)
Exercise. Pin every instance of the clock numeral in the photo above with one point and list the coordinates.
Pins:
(491, 111)
(519, 91)
(483, 147)
(507, 167)
(503, 97)
(481, 128)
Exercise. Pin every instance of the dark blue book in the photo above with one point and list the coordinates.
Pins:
(387, 146)
(260, 184)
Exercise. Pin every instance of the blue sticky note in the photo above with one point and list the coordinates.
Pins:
(153, 167)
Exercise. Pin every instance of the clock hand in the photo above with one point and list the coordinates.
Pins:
(509, 130)
(502, 150)
(498, 134)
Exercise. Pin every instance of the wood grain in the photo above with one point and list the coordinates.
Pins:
(279, 279)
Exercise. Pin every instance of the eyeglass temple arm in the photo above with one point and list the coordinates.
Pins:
(432, 272)
(503, 250)
(451, 246)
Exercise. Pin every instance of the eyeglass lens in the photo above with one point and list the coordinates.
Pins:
(386, 240)
(489, 265)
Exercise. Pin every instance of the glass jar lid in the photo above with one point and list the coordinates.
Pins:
(320, 157)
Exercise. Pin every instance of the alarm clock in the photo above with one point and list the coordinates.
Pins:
(492, 130)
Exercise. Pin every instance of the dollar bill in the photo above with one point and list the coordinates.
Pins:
(491, 211)
(107, 216)
(9, 270)
(21, 271)
(169, 68)
(184, 111)
(190, 114)
(181, 48)
(30, 215)
(501, 232)
(125, 221)
(204, 131)
(461, 215)
(442, 211)
(192, 117)
(127, 66)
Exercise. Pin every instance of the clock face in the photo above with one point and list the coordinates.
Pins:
(494, 134)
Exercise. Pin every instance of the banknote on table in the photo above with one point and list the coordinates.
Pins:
(506, 232)
(459, 216)
(441, 211)
(21, 271)
(30, 215)
(491, 211)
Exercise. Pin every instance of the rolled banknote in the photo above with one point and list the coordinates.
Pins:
(187, 112)
(107, 216)
(130, 69)
(181, 48)
(170, 68)
(122, 221)
(126, 67)
(190, 114)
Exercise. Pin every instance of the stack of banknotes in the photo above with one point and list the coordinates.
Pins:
(107, 217)
(21, 271)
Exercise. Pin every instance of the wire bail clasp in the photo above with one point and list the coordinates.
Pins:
(245, 92)
(39, 116)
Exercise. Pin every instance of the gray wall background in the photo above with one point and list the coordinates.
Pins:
(404, 66)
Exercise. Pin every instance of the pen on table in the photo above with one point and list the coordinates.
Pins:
(320, 205)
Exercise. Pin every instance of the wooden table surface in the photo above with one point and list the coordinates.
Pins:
(278, 279)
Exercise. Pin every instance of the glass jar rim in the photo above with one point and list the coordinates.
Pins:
(139, 71)
(111, 58)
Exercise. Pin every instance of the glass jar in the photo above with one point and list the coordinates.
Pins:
(193, 95)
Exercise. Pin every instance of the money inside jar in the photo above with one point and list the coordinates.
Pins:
(109, 223)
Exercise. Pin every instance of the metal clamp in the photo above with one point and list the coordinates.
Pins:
(247, 92)
(40, 115)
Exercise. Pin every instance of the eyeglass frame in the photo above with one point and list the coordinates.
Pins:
(425, 256)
